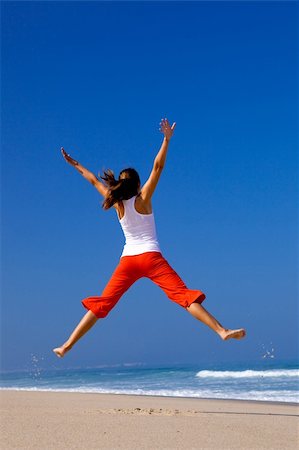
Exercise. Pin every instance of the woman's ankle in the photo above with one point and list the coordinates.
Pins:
(67, 346)
(222, 332)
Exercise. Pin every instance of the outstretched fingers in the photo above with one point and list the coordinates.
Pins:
(68, 157)
(166, 129)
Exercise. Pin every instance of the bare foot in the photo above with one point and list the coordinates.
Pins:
(60, 351)
(235, 334)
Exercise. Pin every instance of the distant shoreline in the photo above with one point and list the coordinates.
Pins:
(65, 391)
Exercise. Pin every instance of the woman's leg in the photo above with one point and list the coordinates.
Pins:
(161, 273)
(122, 278)
(200, 313)
(88, 320)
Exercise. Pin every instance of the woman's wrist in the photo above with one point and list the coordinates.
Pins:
(79, 168)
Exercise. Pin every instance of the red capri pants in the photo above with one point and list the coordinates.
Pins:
(130, 268)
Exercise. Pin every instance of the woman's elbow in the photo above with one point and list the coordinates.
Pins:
(158, 166)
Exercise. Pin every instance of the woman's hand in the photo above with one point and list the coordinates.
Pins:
(166, 129)
(68, 158)
(89, 176)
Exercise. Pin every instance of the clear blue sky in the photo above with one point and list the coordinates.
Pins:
(96, 78)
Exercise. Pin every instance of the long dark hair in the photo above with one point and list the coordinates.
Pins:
(122, 189)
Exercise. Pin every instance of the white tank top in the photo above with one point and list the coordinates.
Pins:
(139, 230)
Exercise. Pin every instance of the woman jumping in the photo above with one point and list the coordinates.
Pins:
(141, 256)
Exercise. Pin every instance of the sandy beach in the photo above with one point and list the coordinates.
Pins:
(58, 420)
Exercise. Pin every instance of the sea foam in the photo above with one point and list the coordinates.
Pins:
(276, 396)
(247, 373)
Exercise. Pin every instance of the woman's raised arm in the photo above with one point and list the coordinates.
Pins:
(148, 188)
(85, 173)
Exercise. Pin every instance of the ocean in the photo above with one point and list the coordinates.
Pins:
(264, 380)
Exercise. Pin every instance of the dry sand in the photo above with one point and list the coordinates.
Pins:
(58, 420)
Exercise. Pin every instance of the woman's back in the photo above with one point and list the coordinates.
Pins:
(139, 229)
